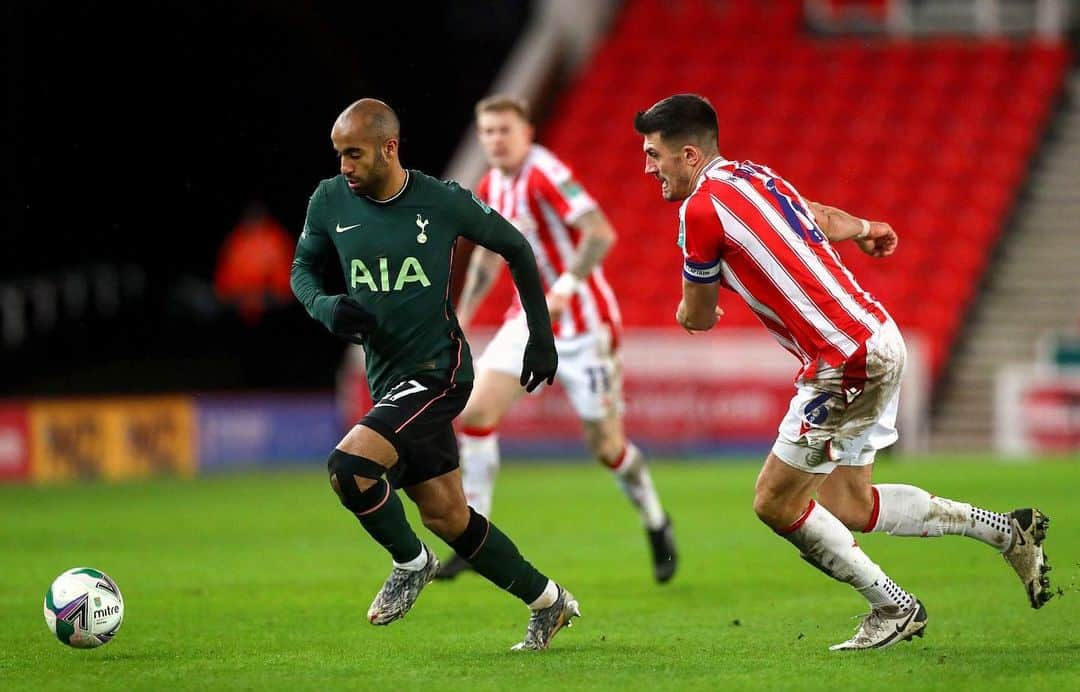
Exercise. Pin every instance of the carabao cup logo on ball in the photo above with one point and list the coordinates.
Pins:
(84, 608)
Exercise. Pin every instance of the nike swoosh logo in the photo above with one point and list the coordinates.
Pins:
(342, 229)
(907, 621)
(381, 404)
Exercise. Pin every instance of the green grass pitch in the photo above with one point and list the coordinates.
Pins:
(262, 581)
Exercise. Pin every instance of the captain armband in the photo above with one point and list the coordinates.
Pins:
(701, 272)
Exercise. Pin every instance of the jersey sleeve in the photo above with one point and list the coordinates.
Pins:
(312, 250)
(701, 237)
(484, 226)
(556, 185)
(480, 223)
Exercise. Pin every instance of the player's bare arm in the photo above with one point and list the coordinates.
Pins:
(698, 311)
(875, 238)
(484, 268)
(597, 238)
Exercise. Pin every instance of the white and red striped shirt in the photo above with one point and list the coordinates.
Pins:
(750, 229)
(543, 200)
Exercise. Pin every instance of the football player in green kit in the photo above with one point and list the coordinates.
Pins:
(393, 232)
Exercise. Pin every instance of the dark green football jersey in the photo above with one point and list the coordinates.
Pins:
(396, 256)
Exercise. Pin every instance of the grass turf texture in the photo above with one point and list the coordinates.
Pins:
(263, 581)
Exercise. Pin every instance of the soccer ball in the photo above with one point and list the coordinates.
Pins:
(84, 608)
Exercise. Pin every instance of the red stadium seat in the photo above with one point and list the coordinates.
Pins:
(932, 135)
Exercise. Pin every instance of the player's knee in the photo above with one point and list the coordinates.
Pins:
(356, 481)
(762, 507)
(336, 486)
(607, 450)
(479, 417)
(447, 521)
(771, 509)
(764, 500)
(606, 442)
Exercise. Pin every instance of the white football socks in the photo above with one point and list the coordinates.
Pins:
(633, 478)
(904, 510)
(547, 598)
(416, 564)
(479, 466)
(827, 544)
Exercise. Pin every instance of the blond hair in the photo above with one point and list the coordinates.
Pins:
(501, 103)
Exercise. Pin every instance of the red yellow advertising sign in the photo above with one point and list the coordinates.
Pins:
(112, 438)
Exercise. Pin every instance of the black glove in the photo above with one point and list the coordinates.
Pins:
(540, 363)
(351, 321)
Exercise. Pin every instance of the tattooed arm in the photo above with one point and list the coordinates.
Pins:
(597, 237)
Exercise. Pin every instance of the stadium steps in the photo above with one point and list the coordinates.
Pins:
(1032, 289)
(963, 16)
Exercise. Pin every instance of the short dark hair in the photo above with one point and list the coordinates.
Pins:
(679, 119)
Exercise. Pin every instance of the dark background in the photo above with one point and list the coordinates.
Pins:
(135, 136)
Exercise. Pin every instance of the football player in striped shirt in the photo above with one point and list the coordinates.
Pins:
(570, 236)
(743, 227)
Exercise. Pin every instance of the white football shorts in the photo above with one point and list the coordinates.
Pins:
(589, 370)
(842, 416)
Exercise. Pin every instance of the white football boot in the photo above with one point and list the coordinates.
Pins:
(880, 630)
(546, 622)
(1026, 556)
(400, 591)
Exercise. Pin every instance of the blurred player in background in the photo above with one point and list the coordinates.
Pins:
(746, 228)
(570, 237)
(393, 233)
